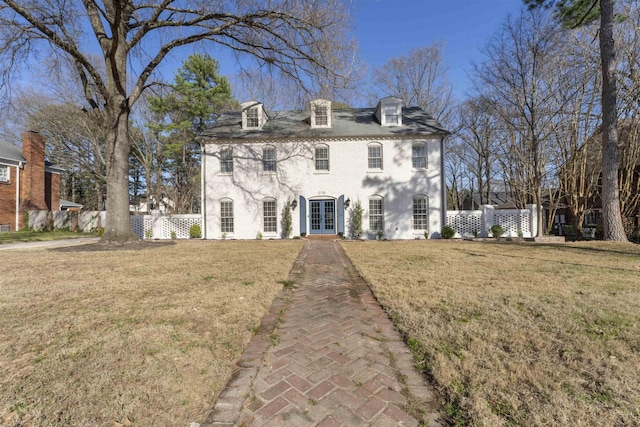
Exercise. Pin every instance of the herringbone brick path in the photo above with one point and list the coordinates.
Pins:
(326, 355)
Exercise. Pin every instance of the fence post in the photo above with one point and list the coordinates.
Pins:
(533, 218)
(487, 219)
(156, 218)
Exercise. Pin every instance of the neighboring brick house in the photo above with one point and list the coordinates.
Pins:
(26, 171)
(323, 160)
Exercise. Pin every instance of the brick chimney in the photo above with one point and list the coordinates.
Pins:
(32, 178)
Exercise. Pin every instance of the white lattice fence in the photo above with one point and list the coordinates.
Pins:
(465, 222)
(513, 222)
(178, 224)
(142, 225)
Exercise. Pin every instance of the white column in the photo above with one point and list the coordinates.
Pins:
(487, 220)
(533, 219)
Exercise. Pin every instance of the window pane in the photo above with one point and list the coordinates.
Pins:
(321, 115)
(322, 158)
(226, 160)
(376, 215)
(270, 216)
(252, 117)
(4, 173)
(269, 159)
(375, 157)
(420, 217)
(419, 156)
(390, 115)
(226, 217)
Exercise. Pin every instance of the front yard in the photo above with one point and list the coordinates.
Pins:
(95, 338)
(517, 334)
(41, 236)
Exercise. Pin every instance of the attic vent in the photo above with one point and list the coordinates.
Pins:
(4, 228)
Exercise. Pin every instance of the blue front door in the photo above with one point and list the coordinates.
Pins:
(323, 217)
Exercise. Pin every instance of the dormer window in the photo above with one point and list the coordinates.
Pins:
(320, 113)
(253, 115)
(252, 118)
(389, 111)
(390, 114)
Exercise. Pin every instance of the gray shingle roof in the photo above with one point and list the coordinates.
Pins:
(345, 123)
(10, 152)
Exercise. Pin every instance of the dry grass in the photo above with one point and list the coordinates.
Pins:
(518, 334)
(93, 338)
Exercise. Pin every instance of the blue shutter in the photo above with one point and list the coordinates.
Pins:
(303, 215)
(341, 214)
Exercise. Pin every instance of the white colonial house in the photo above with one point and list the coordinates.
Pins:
(321, 161)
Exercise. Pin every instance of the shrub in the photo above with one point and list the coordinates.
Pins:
(448, 232)
(356, 219)
(101, 231)
(287, 223)
(174, 236)
(259, 235)
(496, 230)
(195, 232)
(380, 234)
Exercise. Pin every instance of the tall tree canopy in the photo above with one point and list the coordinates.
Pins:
(192, 103)
(573, 13)
(117, 45)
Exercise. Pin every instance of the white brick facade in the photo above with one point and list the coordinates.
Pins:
(248, 186)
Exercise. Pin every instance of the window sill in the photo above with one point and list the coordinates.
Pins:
(320, 172)
(268, 173)
(375, 170)
(419, 170)
(225, 173)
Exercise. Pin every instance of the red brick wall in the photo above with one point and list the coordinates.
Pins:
(52, 191)
(32, 181)
(8, 200)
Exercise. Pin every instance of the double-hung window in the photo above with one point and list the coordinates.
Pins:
(419, 156)
(420, 213)
(226, 160)
(322, 116)
(376, 214)
(390, 114)
(226, 216)
(4, 173)
(252, 118)
(322, 157)
(269, 216)
(269, 159)
(374, 156)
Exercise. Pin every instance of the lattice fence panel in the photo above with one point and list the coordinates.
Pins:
(141, 224)
(513, 221)
(465, 222)
(178, 225)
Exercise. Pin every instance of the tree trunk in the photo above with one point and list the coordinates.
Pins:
(118, 227)
(612, 217)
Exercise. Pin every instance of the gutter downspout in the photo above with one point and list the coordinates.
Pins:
(443, 186)
(18, 168)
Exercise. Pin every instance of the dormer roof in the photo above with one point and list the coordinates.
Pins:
(389, 111)
(254, 116)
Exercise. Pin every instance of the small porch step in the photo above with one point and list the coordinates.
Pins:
(322, 236)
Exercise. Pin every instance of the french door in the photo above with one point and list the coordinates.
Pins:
(323, 216)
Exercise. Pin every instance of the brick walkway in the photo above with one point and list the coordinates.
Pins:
(326, 355)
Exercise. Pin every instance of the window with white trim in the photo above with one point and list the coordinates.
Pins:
(374, 156)
(376, 214)
(390, 113)
(419, 156)
(4, 173)
(322, 116)
(269, 159)
(322, 157)
(420, 213)
(269, 216)
(226, 160)
(252, 118)
(226, 216)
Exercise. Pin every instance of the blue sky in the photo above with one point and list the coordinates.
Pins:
(388, 28)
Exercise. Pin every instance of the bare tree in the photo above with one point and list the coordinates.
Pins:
(573, 14)
(419, 78)
(518, 81)
(302, 40)
(478, 134)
